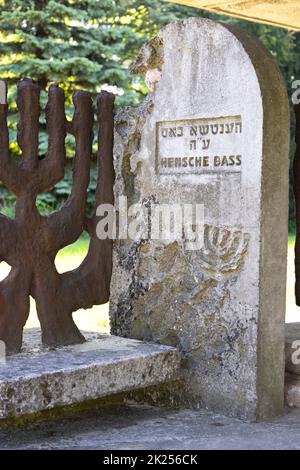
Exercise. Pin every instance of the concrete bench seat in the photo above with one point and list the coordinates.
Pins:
(39, 379)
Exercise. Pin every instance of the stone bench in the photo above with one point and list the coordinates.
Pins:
(39, 379)
(292, 376)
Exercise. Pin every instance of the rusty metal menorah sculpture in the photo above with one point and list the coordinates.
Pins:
(30, 241)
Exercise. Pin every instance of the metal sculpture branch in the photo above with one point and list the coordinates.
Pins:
(30, 241)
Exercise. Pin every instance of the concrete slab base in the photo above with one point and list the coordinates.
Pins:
(140, 427)
(39, 379)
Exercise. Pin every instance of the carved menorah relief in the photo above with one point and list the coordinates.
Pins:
(30, 241)
(224, 250)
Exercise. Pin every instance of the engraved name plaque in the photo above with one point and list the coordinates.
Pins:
(199, 146)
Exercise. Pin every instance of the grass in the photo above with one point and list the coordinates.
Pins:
(93, 319)
(291, 241)
(78, 248)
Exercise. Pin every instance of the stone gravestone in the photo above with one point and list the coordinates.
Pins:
(214, 130)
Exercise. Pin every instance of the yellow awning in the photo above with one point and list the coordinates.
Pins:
(284, 13)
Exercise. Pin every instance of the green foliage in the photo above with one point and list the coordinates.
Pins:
(89, 44)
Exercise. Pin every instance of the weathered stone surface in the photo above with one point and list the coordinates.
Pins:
(38, 379)
(292, 390)
(292, 365)
(292, 348)
(222, 306)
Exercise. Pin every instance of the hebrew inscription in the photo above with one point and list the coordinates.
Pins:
(197, 146)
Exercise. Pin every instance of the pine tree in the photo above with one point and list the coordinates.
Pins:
(84, 44)
(73, 43)
(89, 44)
